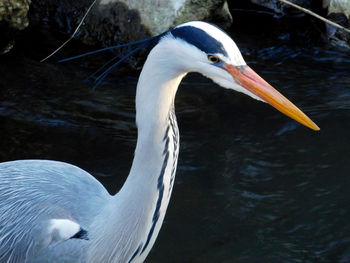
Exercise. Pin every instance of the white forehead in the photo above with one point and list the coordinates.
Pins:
(234, 55)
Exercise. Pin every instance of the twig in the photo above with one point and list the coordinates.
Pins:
(315, 15)
(74, 33)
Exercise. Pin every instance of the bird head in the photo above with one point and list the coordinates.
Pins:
(204, 48)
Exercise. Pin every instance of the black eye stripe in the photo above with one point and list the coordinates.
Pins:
(200, 39)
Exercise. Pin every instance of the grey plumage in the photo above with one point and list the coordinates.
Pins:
(77, 197)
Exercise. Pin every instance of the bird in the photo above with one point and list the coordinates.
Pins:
(52, 211)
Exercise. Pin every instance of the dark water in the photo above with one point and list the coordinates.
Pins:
(252, 185)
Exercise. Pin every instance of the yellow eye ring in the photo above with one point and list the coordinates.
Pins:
(213, 59)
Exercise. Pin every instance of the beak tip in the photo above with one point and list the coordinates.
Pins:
(313, 126)
(317, 128)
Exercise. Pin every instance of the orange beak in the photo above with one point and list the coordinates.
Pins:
(251, 81)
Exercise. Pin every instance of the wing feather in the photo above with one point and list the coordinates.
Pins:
(35, 192)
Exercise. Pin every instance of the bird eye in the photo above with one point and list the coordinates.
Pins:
(213, 59)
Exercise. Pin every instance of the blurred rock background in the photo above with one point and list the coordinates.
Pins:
(120, 21)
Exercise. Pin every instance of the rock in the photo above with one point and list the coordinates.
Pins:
(13, 17)
(339, 12)
(14, 13)
(338, 6)
(119, 21)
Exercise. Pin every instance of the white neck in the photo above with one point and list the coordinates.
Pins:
(133, 219)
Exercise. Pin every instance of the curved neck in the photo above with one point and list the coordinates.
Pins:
(155, 118)
(136, 213)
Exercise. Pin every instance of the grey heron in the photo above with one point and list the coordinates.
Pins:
(52, 211)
